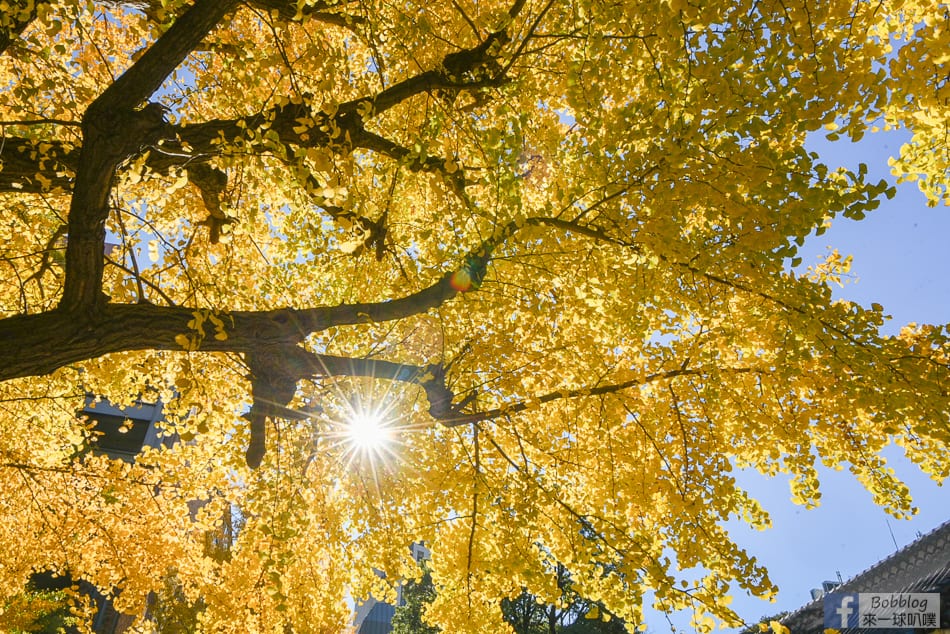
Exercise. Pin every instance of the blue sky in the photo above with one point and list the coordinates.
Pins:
(902, 261)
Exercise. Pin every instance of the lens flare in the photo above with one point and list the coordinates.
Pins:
(368, 432)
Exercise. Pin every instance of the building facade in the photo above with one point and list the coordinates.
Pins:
(920, 567)
(376, 617)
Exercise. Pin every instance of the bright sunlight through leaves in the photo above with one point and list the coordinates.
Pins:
(368, 432)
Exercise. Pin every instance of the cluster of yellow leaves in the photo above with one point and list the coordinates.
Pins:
(664, 137)
(777, 628)
(922, 100)
(193, 340)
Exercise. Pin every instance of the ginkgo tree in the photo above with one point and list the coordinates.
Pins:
(545, 248)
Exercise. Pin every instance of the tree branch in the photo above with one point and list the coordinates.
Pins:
(146, 75)
(35, 167)
(31, 166)
(72, 338)
(112, 132)
(15, 20)
(290, 10)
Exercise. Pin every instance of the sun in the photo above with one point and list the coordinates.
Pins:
(368, 432)
(365, 425)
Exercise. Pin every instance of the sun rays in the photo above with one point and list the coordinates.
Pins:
(367, 424)
(369, 432)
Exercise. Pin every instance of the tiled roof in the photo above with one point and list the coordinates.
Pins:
(922, 566)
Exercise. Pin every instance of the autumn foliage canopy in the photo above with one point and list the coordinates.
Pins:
(549, 244)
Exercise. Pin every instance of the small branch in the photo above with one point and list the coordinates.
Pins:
(527, 38)
(28, 122)
(135, 263)
(45, 265)
(73, 472)
(150, 284)
(523, 405)
(467, 19)
(470, 558)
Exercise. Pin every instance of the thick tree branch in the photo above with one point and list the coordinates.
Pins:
(123, 327)
(146, 75)
(276, 373)
(290, 10)
(431, 378)
(72, 338)
(272, 387)
(276, 370)
(28, 168)
(108, 139)
(112, 132)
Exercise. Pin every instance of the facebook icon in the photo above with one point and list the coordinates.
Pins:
(841, 610)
